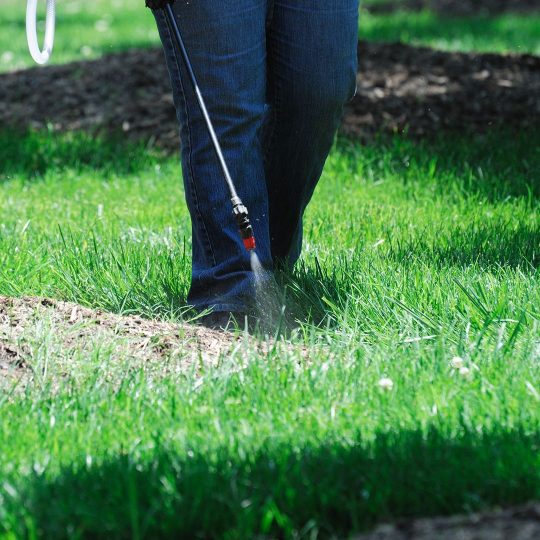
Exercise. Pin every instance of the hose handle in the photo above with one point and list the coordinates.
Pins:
(40, 56)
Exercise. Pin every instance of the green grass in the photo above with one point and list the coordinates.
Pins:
(414, 253)
(90, 29)
(500, 34)
(84, 30)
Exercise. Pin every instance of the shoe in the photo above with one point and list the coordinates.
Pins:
(223, 320)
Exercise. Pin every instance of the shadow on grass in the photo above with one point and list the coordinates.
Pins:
(499, 164)
(486, 245)
(32, 154)
(280, 492)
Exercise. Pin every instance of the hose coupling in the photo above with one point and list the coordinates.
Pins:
(244, 226)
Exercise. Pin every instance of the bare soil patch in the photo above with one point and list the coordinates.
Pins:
(27, 324)
(399, 88)
(519, 523)
(10, 359)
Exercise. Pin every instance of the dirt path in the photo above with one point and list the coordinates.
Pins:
(519, 523)
(30, 327)
(399, 87)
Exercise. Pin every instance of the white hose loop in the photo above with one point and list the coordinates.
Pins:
(40, 56)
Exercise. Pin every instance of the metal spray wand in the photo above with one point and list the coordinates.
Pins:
(239, 210)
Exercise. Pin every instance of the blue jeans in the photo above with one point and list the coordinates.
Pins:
(275, 75)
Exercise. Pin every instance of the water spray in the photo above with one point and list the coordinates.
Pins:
(40, 56)
(240, 212)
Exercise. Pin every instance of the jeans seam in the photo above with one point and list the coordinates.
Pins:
(270, 12)
(210, 250)
(274, 119)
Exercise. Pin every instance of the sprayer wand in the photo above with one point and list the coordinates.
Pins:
(239, 210)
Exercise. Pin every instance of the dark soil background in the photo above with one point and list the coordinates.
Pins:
(519, 523)
(400, 88)
(423, 91)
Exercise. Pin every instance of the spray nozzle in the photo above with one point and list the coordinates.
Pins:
(244, 226)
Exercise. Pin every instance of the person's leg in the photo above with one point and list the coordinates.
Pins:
(226, 44)
(312, 64)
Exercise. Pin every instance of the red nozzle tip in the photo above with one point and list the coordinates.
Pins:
(249, 243)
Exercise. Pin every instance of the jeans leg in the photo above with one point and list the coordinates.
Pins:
(227, 46)
(312, 63)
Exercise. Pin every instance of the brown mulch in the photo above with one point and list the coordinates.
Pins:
(518, 523)
(399, 86)
(426, 91)
(455, 7)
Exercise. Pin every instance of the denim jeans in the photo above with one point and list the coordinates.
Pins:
(275, 75)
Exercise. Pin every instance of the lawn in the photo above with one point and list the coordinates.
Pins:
(438, 255)
(416, 252)
(90, 29)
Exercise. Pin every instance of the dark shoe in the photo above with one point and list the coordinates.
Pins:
(223, 320)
